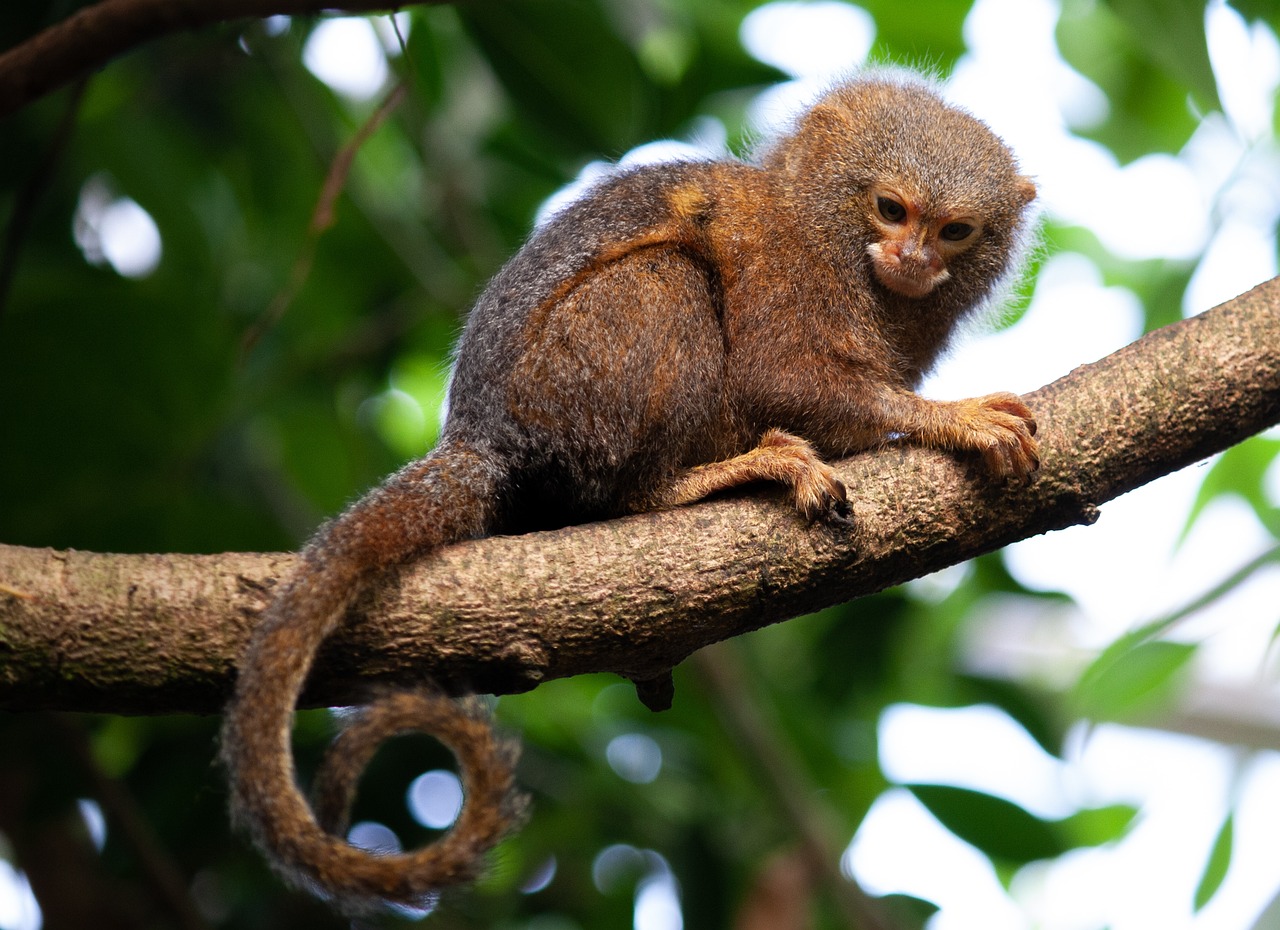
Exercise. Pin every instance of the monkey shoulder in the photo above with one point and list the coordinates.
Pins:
(672, 207)
(676, 204)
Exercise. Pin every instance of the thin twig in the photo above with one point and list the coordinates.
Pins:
(322, 218)
(91, 37)
(123, 813)
(24, 207)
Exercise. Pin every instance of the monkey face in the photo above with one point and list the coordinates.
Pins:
(911, 247)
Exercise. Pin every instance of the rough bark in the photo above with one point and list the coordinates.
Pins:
(91, 37)
(161, 633)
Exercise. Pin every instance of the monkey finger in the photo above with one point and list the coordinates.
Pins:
(820, 495)
(1025, 460)
(1032, 450)
(997, 464)
(1012, 405)
(1005, 400)
(1009, 453)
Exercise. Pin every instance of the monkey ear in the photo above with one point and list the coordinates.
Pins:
(828, 120)
(823, 129)
(1026, 188)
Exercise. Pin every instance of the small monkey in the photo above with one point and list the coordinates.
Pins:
(682, 329)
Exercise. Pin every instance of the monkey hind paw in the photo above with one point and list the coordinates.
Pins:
(816, 490)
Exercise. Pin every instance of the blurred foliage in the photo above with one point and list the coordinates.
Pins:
(138, 417)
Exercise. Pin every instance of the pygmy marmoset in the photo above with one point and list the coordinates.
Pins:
(682, 329)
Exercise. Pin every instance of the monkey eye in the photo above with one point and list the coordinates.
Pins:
(956, 232)
(891, 210)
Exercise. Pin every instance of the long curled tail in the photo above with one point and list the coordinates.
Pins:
(448, 496)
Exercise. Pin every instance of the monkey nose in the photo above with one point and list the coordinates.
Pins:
(922, 256)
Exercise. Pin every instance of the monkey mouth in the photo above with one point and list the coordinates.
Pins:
(905, 274)
(909, 282)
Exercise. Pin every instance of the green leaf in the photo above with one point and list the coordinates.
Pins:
(1147, 103)
(1171, 32)
(1259, 9)
(541, 51)
(1126, 683)
(999, 828)
(1012, 836)
(1096, 826)
(1151, 630)
(1240, 470)
(1215, 870)
(906, 911)
(1032, 709)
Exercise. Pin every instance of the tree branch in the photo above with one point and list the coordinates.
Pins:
(161, 633)
(91, 37)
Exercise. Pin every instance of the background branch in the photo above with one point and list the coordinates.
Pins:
(27, 201)
(807, 812)
(161, 633)
(91, 37)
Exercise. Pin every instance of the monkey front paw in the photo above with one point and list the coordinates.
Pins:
(1001, 428)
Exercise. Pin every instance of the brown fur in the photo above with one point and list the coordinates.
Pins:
(683, 329)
